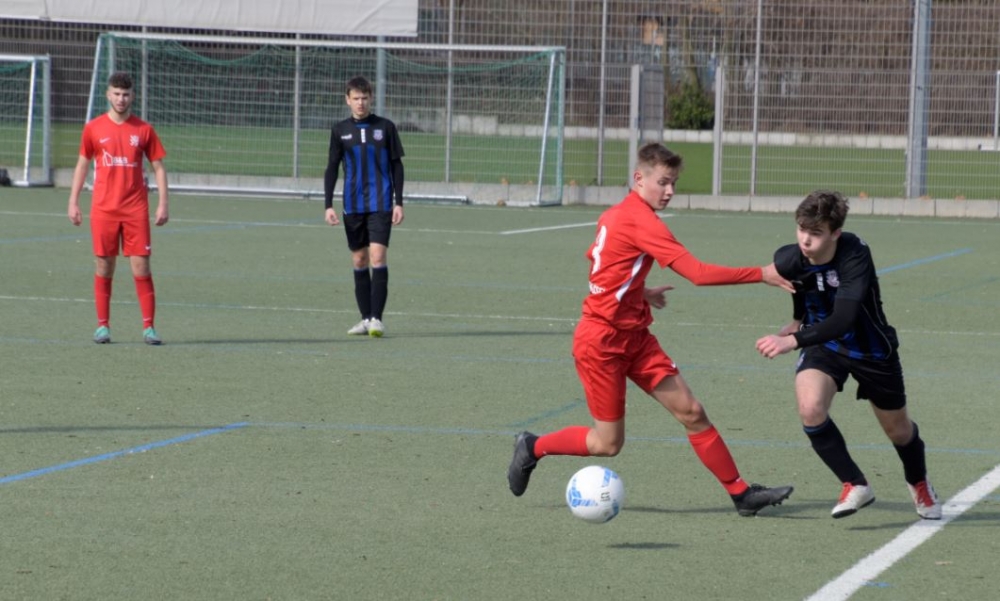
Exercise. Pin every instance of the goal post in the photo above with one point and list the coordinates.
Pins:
(254, 114)
(26, 119)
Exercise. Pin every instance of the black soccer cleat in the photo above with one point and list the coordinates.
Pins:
(522, 464)
(758, 497)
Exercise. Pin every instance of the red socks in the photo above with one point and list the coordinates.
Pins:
(102, 299)
(713, 452)
(568, 441)
(147, 299)
(708, 445)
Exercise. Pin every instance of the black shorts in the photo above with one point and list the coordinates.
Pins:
(880, 382)
(364, 228)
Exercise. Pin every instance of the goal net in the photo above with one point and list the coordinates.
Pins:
(254, 114)
(25, 119)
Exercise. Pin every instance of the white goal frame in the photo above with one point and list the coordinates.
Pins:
(38, 112)
(546, 184)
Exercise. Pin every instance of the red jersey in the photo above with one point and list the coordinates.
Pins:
(630, 236)
(117, 150)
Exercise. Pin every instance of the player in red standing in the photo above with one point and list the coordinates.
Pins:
(116, 142)
(613, 344)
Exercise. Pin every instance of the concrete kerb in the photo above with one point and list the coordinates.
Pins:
(504, 193)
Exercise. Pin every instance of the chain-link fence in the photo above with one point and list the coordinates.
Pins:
(816, 92)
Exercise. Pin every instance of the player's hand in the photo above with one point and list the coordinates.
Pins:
(790, 328)
(331, 217)
(657, 297)
(162, 217)
(397, 214)
(73, 212)
(771, 277)
(773, 345)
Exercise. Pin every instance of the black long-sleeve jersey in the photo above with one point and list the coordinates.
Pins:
(839, 304)
(372, 154)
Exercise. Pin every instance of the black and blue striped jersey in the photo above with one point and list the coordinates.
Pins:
(372, 153)
(842, 295)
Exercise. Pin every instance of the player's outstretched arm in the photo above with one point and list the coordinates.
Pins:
(771, 277)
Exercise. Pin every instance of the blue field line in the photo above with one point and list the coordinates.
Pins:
(550, 413)
(975, 284)
(914, 263)
(123, 452)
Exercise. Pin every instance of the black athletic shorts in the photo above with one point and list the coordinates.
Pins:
(880, 382)
(364, 228)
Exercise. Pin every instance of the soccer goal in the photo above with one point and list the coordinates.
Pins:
(25, 119)
(253, 115)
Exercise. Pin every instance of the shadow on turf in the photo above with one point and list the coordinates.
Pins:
(782, 511)
(644, 546)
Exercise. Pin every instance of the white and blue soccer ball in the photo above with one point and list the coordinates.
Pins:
(595, 494)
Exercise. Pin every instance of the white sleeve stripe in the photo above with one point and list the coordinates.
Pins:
(628, 283)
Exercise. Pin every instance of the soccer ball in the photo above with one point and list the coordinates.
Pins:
(595, 494)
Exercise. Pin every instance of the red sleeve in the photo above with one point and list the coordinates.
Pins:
(707, 274)
(154, 150)
(86, 143)
(655, 239)
(659, 241)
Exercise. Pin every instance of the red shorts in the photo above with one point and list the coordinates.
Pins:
(607, 357)
(131, 234)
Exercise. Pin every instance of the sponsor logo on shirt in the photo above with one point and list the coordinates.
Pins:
(109, 160)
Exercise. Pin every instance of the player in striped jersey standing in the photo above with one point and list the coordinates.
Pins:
(839, 324)
(372, 154)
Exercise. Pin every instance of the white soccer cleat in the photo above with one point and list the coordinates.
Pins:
(375, 328)
(925, 500)
(360, 329)
(852, 498)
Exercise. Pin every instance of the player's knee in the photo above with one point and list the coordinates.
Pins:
(812, 414)
(693, 416)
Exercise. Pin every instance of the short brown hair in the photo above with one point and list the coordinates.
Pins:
(359, 84)
(655, 154)
(822, 206)
(120, 80)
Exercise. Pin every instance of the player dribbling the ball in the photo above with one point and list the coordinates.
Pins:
(612, 343)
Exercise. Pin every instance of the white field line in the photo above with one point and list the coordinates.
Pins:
(305, 309)
(563, 227)
(765, 327)
(549, 228)
(877, 562)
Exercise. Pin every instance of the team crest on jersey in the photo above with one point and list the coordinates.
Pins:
(832, 278)
(133, 140)
(377, 134)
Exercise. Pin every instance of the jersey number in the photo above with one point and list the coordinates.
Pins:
(602, 236)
